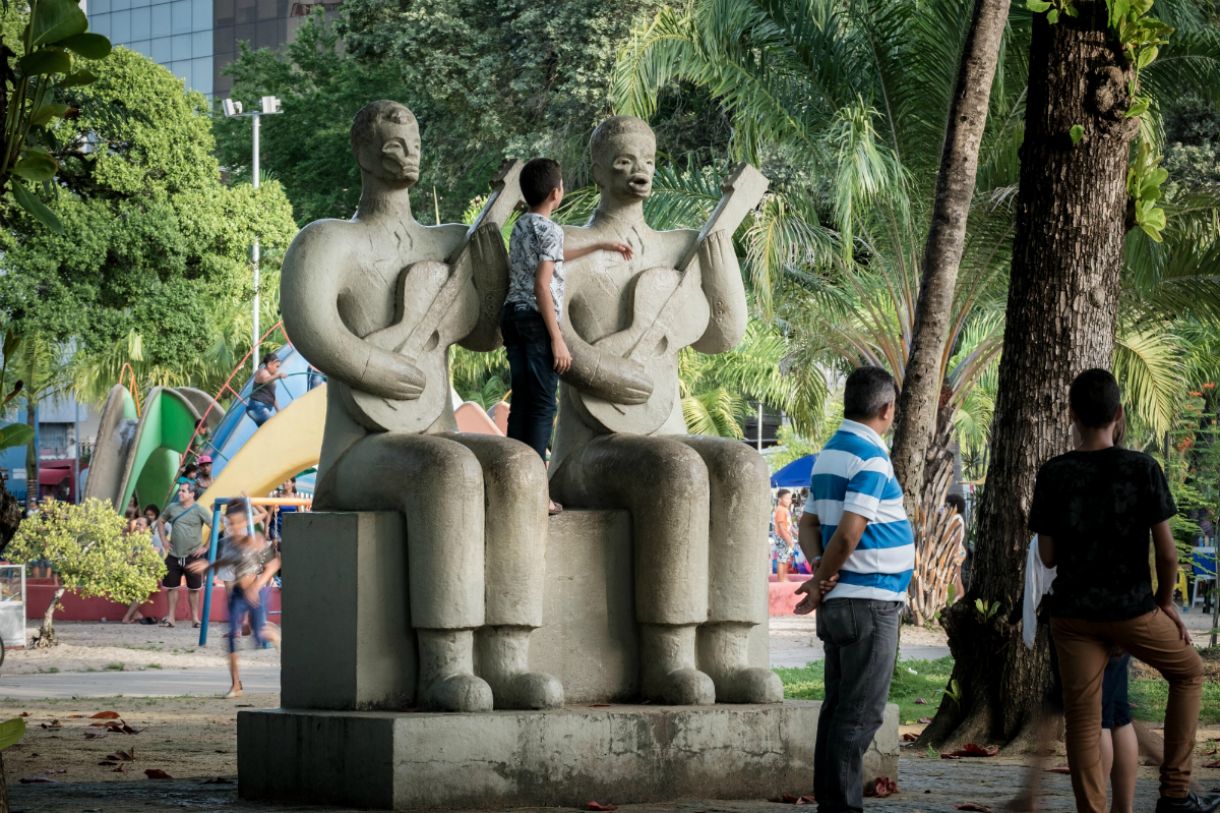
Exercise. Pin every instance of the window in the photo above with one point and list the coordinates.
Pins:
(98, 7)
(161, 50)
(201, 15)
(141, 23)
(100, 24)
(161, 20)
(181, 16)
(180, 47)
(201, 44)
(120, 27)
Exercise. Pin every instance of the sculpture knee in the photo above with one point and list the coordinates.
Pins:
(515, 470)
(677, 467)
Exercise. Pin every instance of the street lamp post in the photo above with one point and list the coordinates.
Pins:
(269, 105)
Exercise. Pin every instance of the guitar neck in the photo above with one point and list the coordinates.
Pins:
(742, 191)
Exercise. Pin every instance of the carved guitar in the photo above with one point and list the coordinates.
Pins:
(430, 296)
(655, 335)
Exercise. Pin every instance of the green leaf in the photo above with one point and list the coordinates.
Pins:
(1037, 6)
(1077, 133)
(36, 165)
(78, 78)
(48, 111)
(12, 340)
(31, 203)
(88, 45)
(1138, 107)
(11, 732)
(56, 20)
(45, 61)
(1146, 56)
(1052, 16)
(15, 434)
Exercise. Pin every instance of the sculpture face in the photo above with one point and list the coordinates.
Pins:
(389, 147)
(623, 165)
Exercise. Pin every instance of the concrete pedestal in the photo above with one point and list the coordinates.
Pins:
(621, 754)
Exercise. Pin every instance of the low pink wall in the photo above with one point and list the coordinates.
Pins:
(782, 598)
(38, 594)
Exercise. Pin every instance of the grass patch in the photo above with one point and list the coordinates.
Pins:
(927, 680)
(154, 666)
(50, 670)
(115, 667)
(913, 680)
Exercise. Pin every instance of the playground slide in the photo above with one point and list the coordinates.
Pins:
(284, 446)
(164, 431)
(114, 438)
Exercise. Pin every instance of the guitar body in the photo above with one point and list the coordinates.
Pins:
(655, 337)
(422, 338)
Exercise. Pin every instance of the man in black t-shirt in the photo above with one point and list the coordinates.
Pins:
(1094, 511)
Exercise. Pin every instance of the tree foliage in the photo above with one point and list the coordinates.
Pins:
(155, 248)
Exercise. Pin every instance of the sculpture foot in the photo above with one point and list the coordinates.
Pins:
(457, 693)
(750, 685)
(682, 687)
(529, 690)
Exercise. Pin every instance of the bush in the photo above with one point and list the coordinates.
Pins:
(91, 555)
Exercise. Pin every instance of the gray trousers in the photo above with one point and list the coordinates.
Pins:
(860, 637)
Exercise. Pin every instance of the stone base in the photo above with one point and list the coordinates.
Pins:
(623, 754)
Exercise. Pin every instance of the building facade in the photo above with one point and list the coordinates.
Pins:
(197, 39)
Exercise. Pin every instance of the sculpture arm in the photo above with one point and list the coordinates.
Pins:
(489, 274)
(726, 294)
(310, 286)
(602, 374)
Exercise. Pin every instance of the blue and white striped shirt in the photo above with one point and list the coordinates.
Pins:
(853, 473)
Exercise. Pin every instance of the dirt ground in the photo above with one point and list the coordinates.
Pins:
(96, 647)
(187, 737)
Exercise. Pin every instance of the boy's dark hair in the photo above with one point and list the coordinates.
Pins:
(190, 470)
(539, 178)
(957, 502)
(782, 493)
(236, 507)
(868, 389)
(1095, 398)
(152, 507)
(269, 357)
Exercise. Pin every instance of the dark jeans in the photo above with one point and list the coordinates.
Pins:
(534, 380)
(860, 637)
(259, 412)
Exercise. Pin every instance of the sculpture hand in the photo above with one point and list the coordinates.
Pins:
(625, 381)
(391, 375)
(716, 252)
(486, 253)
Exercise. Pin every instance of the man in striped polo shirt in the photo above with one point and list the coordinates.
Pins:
(855, 522)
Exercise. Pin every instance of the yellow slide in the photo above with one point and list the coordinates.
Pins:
(284, 446)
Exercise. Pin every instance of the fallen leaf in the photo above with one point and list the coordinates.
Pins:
(75, 716)
(1060, 769)
(919, 701)
(36, 780)
(25, 714)
(599, 705)
(971, 749)
(975, 806)
(600, 806)
(108, 762)
(121, 767)
(925, 720)
(53, 725)
(909, 737)
(1215, 764)
(156, 773)
(105, 715)
(93, 735)
(881, 787)
(123, 756)
(217, 780)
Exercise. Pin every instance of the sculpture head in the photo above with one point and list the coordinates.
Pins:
(385, 140)
(623, 151)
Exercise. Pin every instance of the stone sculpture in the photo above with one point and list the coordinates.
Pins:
(375, 303)
(699, 505)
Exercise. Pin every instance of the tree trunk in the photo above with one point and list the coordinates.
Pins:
(1062, 302)
(46, 632)
(4, 808)
(959, 162)
(31, 454)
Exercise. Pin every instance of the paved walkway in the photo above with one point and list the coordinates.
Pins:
(927, 785)
(149, 683)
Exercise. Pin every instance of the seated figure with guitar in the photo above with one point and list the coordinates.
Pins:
(375, 303)
(699, 505)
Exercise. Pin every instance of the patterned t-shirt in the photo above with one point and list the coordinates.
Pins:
(534, 239)
(1099, 508)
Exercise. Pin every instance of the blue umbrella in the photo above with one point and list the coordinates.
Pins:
(796, 474)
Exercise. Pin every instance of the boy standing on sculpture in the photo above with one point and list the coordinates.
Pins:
(537, 353)
(856, 522)
(1095, 510)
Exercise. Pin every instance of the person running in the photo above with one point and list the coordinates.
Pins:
(1094, 510)
(855, 522)
(253, 562)
(187, 519)
(263, 402)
